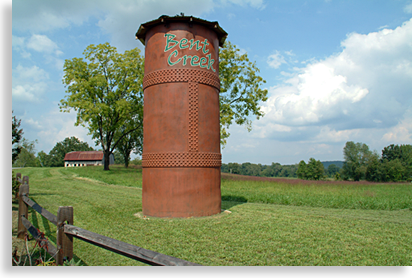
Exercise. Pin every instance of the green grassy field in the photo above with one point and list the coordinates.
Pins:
(271, 223)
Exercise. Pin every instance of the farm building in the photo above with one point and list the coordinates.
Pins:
(87, 158)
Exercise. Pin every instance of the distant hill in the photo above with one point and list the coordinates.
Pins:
(337, 163)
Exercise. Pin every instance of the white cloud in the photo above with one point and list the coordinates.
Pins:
(402, 132)
(29, 93)
(42, 16)
(33, 73)
(42, 43)
(367, 85)
(408, 8)
(124, 18)
(18, 43)
(29, 83)
(267, 151)
(276, 60)
(55, 126)
(311, 96)
(51, 127)
(34, 124)
(120, 19)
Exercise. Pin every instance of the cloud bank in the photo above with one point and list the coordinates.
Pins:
(364, 89)
(119, 19)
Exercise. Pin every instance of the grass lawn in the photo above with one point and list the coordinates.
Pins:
(351, 195)
(271, 223)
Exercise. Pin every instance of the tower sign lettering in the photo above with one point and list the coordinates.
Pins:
(195, 61)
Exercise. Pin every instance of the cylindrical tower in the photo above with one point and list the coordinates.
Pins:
(181, 145)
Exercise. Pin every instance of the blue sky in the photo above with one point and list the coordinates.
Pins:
(336, 71)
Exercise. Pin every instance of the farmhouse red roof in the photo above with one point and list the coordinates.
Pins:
(89, 155)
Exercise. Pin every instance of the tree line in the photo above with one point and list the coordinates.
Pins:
(278, 170)
(251, 169)
(394, 164)
(360, 163)
(24, 151)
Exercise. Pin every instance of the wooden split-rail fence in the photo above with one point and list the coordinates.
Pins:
(66, 232)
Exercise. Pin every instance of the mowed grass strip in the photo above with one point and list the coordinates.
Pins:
(253, 234)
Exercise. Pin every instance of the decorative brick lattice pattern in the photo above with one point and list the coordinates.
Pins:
(193, 117)
(193, 158)
(181, 159)
(181, 75)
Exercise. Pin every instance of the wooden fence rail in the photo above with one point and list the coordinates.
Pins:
(66, 232)
(39, 237)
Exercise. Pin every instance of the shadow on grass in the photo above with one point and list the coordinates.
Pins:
(51, 235)
(229, 201)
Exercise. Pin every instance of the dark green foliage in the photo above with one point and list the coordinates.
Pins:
(397, 160)
(361, 163)
(56, 156)
(251, 169)
(332, 170)
(312, 171)
(16, 136)
(132, 141)
(27, 156)
(357, 157)
(394, 165)
(302, 168)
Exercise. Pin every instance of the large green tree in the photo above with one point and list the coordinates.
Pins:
(314, 170)
(302, 169)
(357, 157)
(241, 91)
(402, 153)
(105, 89)
(394, 165)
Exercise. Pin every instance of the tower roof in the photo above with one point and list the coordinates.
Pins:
(164, 19)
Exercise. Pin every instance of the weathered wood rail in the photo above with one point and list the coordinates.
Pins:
(66, 232)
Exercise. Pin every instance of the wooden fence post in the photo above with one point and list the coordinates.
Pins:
(64, 241)
(18, 179)
(23, 208)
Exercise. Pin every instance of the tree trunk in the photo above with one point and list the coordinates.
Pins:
(126, 158)
(106, 160)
